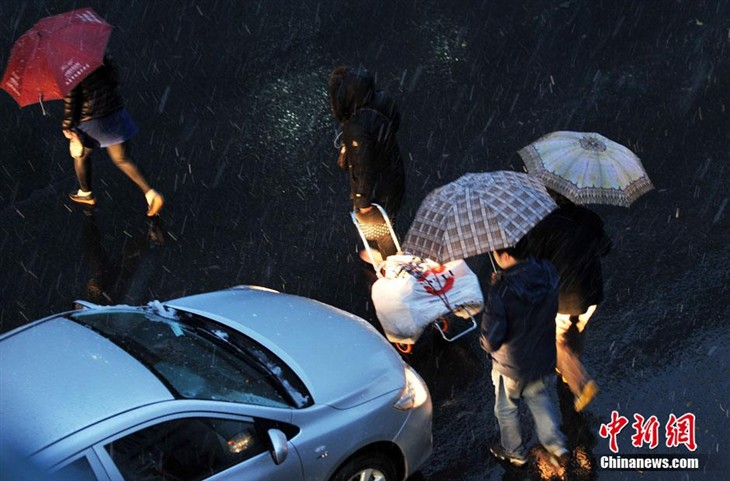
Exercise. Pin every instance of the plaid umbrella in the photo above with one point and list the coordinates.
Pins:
(477, 213)
(587, 168)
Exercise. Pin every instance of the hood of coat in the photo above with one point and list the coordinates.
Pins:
(355, 91)
(531, 280)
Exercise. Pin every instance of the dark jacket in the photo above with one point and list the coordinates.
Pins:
(518, 324)
(573, 239)
(95, 97)
(370, 120)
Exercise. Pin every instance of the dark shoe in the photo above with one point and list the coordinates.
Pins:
(82, 199)
(499, 452)
(157, 202)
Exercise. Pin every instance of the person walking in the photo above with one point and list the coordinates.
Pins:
(518, 334)
(572, 238)
(95, 116)
(370, 153)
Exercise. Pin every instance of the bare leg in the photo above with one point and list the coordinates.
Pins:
(119, 153)
(82, 167)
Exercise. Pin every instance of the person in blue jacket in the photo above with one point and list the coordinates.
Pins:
(518, 333)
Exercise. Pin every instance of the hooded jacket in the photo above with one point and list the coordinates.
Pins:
(370, 120)
(94, 98)
(573, 240)
(518, 324)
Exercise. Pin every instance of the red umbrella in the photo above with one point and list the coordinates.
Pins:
(57, 53)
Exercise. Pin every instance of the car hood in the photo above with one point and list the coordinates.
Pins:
(340, 357)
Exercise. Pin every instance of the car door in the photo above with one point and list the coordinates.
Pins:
(200, 446)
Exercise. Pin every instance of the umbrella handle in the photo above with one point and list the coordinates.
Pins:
(494, 268)
(338, 140)
(40, 101)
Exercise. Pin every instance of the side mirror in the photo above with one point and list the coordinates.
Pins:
(279, 445)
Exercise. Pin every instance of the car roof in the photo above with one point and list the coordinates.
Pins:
(57, 377)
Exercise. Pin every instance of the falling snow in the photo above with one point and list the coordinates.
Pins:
(235, 130)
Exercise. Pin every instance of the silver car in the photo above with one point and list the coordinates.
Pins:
(243, 383)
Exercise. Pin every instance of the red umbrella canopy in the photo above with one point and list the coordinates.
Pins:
(57, 53)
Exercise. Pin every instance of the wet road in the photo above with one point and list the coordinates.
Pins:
(235, 131)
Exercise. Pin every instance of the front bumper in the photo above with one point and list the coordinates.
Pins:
(415, 437)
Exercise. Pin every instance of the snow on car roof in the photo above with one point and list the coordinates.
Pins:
(57, 377)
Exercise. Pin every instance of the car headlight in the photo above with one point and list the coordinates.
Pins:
(414, 393)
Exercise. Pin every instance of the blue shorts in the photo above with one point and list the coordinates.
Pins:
(113, 129)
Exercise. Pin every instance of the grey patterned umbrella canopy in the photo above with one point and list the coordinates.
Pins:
(477, 213)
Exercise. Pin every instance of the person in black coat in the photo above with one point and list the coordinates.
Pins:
(94, 116)
(370, 153)
(573, 239)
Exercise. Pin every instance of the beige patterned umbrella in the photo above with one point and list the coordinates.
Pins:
(477, 213)
(587, 168)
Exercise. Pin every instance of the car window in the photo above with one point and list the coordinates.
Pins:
(188, 449)
(199, 359)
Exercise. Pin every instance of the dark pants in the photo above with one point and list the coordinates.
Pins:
(119, 153)
(390, 196)
(389, 193)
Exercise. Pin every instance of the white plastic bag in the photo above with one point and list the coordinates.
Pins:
(415, 292)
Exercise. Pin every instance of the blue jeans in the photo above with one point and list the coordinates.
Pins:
(507, 392)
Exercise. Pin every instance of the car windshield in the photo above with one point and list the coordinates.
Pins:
(197, 358)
